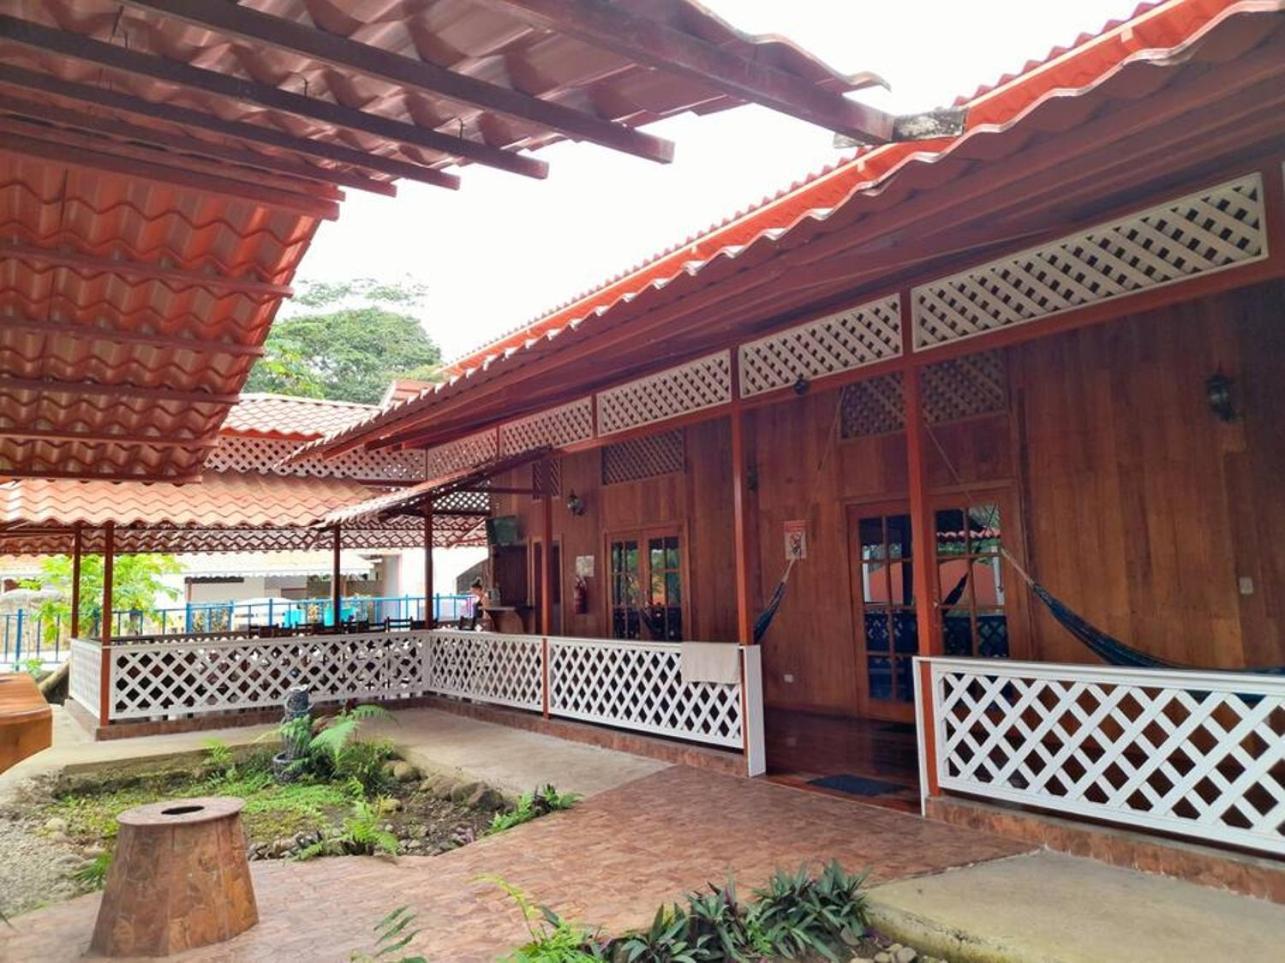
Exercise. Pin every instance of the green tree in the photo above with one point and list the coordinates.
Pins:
(136, 582)
(352, 339)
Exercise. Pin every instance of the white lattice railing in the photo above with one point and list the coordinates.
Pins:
(163, 679)
(504, 669)
(630, 685)
(86, 672)
(637, 685)
(1196, 753)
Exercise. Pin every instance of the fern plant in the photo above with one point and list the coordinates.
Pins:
(532, 805)
(553, 939)
(94, 873)
(363, 833)
(391, 937)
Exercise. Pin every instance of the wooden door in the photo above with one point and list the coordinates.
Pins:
(646, 579)
(537, 585)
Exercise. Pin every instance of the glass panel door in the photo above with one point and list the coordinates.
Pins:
(886, 603)
(665, 612)
(646, 586)
(974, 609)
(626, 596)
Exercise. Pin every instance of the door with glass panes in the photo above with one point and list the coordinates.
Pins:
(975, 612)
(646, 585)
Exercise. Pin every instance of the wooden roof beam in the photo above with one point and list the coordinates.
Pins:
(212, 82)
(186, 117)
(53, 387)
(412, 74)
(654, 44)
(143, 269)
(291, 175)
(95, 333)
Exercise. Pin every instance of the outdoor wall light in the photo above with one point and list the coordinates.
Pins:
(575, 504)
(1219, 395)
(801, 386)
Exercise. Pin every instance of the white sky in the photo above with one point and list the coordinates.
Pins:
(504, 249)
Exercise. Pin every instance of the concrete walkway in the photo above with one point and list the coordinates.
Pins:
(512, 760)
(1061, 909)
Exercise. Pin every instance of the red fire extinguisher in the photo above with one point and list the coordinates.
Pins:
(580, 596)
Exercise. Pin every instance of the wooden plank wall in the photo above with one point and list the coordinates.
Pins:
(1131, 500)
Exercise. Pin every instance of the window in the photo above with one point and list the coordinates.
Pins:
(971, 581)
(888, 606)
(646, 586)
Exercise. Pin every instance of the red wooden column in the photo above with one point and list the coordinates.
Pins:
(75, 582)
(740, 530)
(336, 590)
(922, 521)
(105, 633)
(546, 589)
(429, 614)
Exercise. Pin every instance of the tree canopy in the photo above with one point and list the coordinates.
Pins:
(136, 582)
(353, 339)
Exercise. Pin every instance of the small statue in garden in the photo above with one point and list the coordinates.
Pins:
(296, 733)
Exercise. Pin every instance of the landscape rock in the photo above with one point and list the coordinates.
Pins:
(905, 954)
(404, 771)
(462, 792)
(488, 799)
(883, 956)
(55, 825)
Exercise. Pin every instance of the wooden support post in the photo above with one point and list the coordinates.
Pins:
(927, 731)
(105, 631)
(336, 590)
(740, 529)
(76, 543)
(546, 569)
(922, 521)
(430, 616)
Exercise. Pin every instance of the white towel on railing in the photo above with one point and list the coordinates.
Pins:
(710, 662)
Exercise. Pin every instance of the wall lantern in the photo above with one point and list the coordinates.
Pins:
(575, 504)
(1219, 395)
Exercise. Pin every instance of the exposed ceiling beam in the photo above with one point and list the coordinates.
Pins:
(89, 332)
(251, 185)
(412, 74)
(254, 133)
(143, 269)
(657, 45)
(106, 438)
(212, 82)
(291, 175)
(52, 387)
(100, 158)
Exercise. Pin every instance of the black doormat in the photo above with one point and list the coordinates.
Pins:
(856, 785)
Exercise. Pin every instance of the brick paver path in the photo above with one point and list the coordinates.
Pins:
(608, 862)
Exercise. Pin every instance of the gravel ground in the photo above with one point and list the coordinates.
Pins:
(33, 870)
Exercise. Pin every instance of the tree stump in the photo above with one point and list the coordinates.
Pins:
(180, 879)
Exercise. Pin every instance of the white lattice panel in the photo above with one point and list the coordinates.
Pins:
(555, 428)
(86, 675)
(699, 384)
(1196, 753)
(188, 678)
(266, 456)
(838, 342)
(637, 685)
(462, 453)
(1208, 231)
(504, 669)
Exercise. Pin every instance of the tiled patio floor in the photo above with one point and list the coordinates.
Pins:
(608, 862)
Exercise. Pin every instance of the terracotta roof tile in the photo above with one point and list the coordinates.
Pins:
(287, 416)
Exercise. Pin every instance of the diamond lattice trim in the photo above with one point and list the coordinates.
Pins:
(639, 686)
(963, 387)
(462, 453)
(699, 384)
(1194, 235)
(841, 341)
(872, 407)
(267, 456)
(646, 457)
(504, 669)
(1191, 753)
(555, 428)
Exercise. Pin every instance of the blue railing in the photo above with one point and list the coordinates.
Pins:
(26, 637)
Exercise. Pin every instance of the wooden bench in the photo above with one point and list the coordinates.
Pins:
(26, 721)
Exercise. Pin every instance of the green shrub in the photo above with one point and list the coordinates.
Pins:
(93, 874)
(363, 833)
(532, 805)
(391, 937)
(553, 939)
(332, 751)
(798, 914)
(668, 940)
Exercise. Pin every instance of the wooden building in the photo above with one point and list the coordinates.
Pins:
(1057, 335)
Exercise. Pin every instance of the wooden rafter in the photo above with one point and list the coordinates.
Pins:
(101, 158)
(654, 44)
(291, 175)
(252, 133)
(93, 332)
(212, 82)
(144, 269)
(410, 74)
(55, 387)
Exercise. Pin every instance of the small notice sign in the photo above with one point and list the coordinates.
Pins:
(584, 566)
(796, 540)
